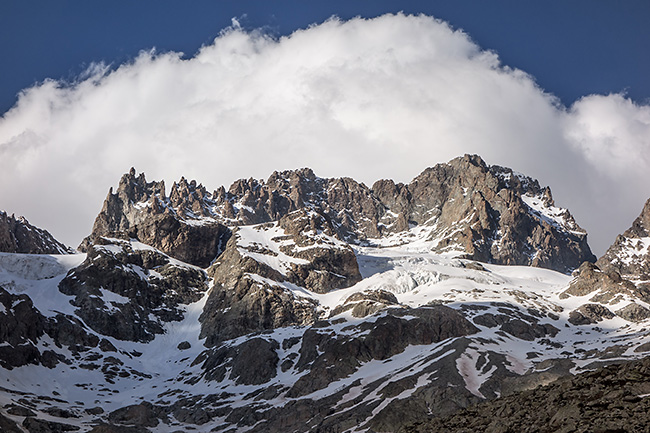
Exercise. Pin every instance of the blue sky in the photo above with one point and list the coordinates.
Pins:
(572, 48)
(557, 90)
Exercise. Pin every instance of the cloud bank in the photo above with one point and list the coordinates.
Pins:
(365, 98)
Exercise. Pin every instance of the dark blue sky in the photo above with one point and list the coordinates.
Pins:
(573, 48)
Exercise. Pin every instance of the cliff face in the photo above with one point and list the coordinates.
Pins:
(17, 235)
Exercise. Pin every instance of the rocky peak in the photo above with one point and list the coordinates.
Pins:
(190, 199)
(181, 225)
(492, 214)
(17, 235)
(629, 255)
(135, 188)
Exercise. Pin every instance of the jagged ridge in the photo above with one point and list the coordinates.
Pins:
(476, 211)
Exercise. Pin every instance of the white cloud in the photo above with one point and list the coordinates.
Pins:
(379, 98)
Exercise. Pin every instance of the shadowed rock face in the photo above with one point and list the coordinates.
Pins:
(17, 235)
(22, 325)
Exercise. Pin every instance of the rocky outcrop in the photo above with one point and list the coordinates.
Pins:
(607, 287)
(17, 235)
(363, 304)
(254, 362)
(22, 326)
(324, 262)
(611, 399)
(128, 290)
(491, 214)
(247, 296)
(139, 415)
(589, 313)
(634, 313)
(179, 225)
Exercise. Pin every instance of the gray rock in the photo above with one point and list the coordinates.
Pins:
(328, 358)
(140, 415)
(19, 410)
(366, 303)
(628, 255)
(606, 286)
(331, 265)
(497, 224)
(8, 426)
(634, 313)
(527, 331)
(240, 304)
(604, 400)
(34, 425)
(589, 313)
(253, 362)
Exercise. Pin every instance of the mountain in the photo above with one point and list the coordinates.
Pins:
(301, 303)
(17, 235)
(465, 207)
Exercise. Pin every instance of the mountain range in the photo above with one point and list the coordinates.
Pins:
(302, 303)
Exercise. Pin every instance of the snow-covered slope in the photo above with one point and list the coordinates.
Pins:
(520, 326)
